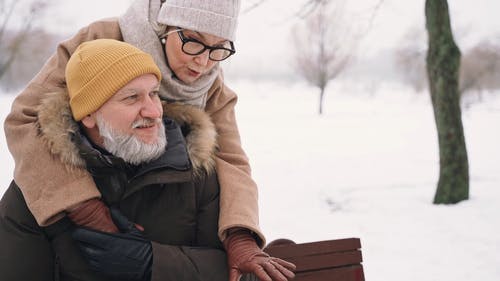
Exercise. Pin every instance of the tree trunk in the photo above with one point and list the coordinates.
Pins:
(321, 95)
(443, 65)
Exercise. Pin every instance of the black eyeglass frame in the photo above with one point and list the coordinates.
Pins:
(185, 40)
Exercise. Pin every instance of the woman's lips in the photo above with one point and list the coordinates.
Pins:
(193, 73)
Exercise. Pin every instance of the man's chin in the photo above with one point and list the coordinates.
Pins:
(150, 137)
(149, 140)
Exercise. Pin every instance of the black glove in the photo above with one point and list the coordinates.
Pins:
(121, 256)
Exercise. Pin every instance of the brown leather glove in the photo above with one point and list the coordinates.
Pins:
(93, 214)
(244, 256)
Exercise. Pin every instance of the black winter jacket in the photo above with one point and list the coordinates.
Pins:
(177, 204)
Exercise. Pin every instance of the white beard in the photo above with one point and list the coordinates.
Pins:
(129, 147)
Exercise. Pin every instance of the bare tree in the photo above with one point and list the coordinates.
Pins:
(37, 47)
(22, 14)
(443, 65)
(323, 46)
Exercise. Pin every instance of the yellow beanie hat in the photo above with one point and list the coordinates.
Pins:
(99, 68)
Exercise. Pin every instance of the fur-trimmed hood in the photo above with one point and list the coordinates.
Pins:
(57, 127)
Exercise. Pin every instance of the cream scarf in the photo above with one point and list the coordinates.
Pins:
(140, 28)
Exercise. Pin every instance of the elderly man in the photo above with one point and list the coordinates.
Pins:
(156, 173)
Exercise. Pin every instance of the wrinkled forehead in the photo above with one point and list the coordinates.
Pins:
(132, 92)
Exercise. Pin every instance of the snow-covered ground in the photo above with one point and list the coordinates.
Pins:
(367, 168)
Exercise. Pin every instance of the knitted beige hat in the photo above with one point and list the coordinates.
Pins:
(216, 17)
(99, 68)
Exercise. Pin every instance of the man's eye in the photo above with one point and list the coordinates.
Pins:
(131, 97)
(155, 94)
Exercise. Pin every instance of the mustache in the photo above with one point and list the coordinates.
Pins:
(146, 122)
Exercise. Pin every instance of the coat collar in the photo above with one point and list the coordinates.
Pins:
(58, 129)
(175, 156)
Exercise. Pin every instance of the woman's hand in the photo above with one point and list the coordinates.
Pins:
(93, 214)
(244, 256)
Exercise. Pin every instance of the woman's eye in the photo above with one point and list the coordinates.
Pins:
(223, 45)
(194, 40)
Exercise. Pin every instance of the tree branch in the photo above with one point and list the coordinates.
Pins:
(7, 18)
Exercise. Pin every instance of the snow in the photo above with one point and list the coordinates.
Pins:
(367, 168)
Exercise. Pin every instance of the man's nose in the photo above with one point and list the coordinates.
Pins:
(151, 108)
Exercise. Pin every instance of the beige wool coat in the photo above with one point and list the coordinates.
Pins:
(49, 187)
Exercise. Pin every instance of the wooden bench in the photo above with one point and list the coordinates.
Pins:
(332, 260)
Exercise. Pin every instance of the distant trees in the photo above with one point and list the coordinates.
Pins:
(323, 45)
(35, 50)
(443, 66)
(480, 68)
(17, 18)
(410, 59)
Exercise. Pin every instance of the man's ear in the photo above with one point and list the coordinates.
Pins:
(89, 121)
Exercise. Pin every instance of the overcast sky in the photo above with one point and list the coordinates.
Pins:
(272, 16)
(263, 34)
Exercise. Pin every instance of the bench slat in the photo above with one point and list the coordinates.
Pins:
(304, 249)
(348, 273)
(327, 260)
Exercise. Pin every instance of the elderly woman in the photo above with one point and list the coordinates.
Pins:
(187, 39)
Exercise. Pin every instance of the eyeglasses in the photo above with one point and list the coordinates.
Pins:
(194, 47)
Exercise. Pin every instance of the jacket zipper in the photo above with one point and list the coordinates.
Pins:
(56, 269)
